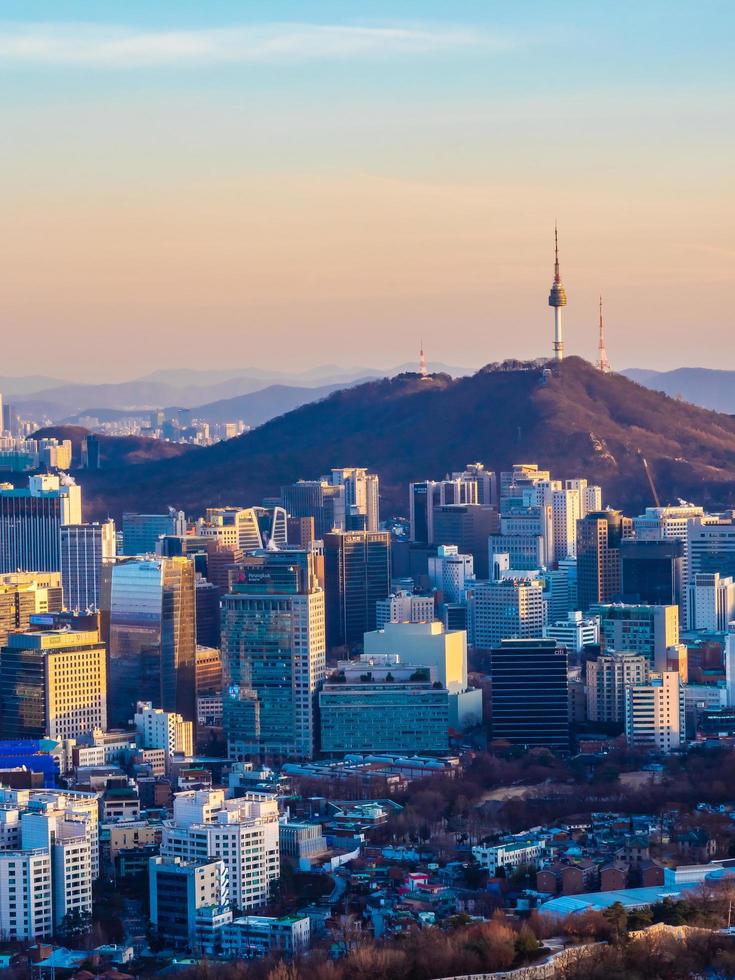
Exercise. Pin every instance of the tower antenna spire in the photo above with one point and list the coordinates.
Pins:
(423, 370)
(557, 299)
(603, 364)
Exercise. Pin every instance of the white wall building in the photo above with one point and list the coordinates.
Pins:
(710, 601)
(511, 609)
(404, 607)
(510, 855)
(242, 832)
(654, 712)
(26, 911)
(575, 632)
(451, 573)
(167, 730)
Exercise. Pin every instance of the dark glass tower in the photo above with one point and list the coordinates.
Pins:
(530, 696)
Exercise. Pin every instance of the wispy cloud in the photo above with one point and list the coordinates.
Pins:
(87, 45)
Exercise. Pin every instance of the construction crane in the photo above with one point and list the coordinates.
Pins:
(649, 476)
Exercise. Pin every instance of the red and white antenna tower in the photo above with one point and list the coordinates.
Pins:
(602, 362)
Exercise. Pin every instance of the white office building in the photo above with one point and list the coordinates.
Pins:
(710, 601)
(511, 609)
(31, 520)
(654, 712)
(575, 632)
(84, 551)
(404, 607)
(167, 730)
(451, 573)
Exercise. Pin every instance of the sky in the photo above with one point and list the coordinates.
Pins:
(285, 184)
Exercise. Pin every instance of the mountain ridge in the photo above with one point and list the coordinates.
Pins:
(569, 418)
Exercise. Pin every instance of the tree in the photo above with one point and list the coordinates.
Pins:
(618, 919)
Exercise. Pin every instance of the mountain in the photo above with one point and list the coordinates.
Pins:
(118, 451)
(261, 406)
(569, 418)
(707, 387)
(27, 384)
(183, 388)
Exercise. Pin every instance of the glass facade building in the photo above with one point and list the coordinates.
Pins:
(273, 655)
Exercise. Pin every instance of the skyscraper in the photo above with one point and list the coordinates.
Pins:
(152, 637)
(357, 575)
(468, 526)
(320, 499)
(140, 532)
(53, 684)
(24, 594)
(362, 497)
(530, 699)
(512, 608)
(649, 630)
(599, 574)
(273, 655)
(652, 570)
(30, 522)
(84, 549)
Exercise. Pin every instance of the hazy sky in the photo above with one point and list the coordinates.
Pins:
(288, 183)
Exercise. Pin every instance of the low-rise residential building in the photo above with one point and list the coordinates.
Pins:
(242, 832)
(510, 854)
(254, 936)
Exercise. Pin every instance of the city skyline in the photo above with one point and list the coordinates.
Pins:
(197, 181)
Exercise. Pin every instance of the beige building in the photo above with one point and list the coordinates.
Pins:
(53, 683)
(607, 679)
(24, 594)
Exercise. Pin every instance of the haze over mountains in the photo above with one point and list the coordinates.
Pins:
(707, 387)
(201, 391)
(572, 419)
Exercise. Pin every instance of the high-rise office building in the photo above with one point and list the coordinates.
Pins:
(710, 601)
(357, 575)
(468, 526)
(473, 485)
(30, 522)
(273, 655)
(599, 576)
(654, 712)
(243, 833)
(25, 594)
(530, 693)
(649, 630)
(140, 532)
(451, 573)
(652, 570)
(152, 637)
(84, 549)
(237, 527)
(320, 499)
(608, 677)
(362, 497)
(53, 684)
(711, 546)
(513, 608)
(207, 597)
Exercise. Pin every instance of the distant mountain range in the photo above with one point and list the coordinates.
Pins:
(569, 418)
(191, 389)
(707, 387)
